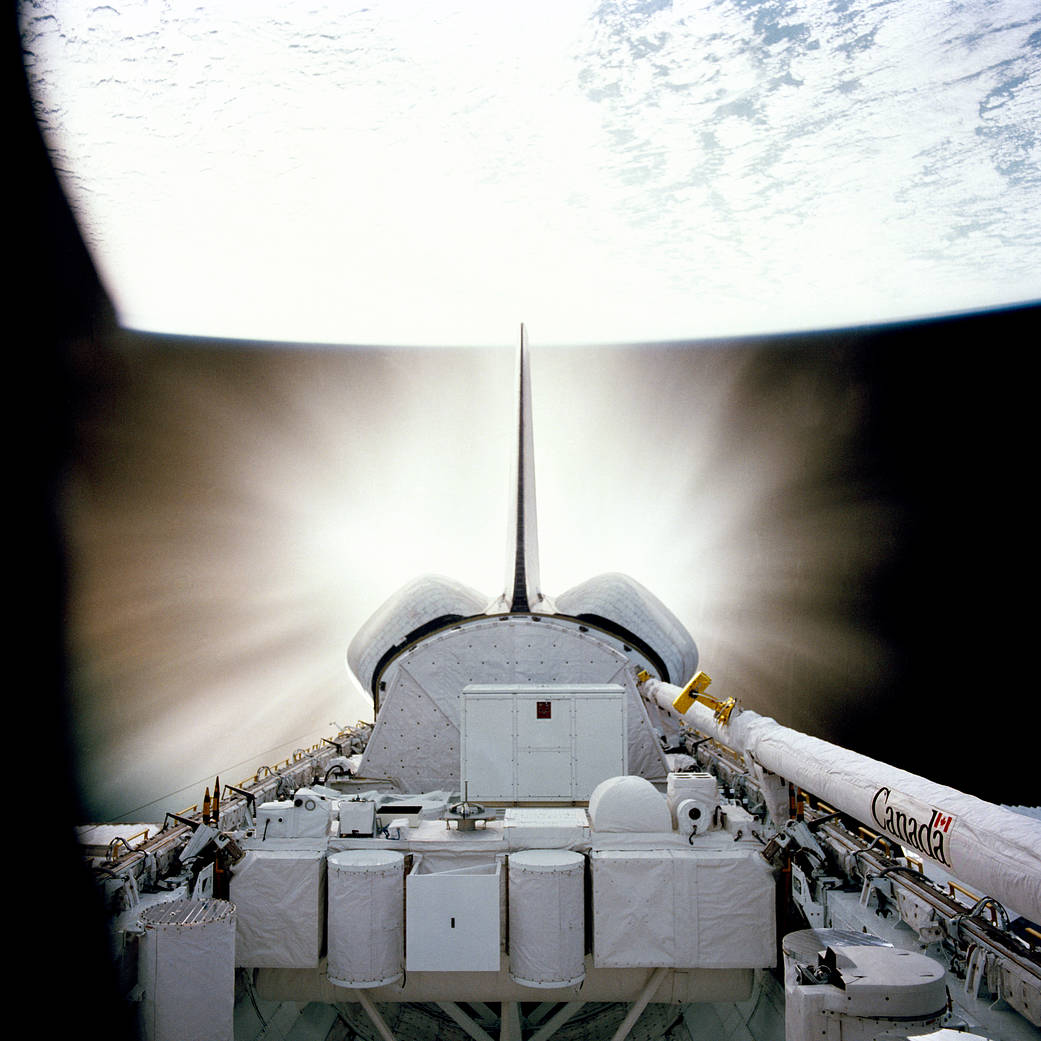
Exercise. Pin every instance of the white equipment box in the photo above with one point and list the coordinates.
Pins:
(545, 827)
(306, 815)
(453, 918)
(550, 742)
(357, 817)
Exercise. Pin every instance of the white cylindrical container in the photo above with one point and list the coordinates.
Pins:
(695, 816)
(366, 933)
(547, 917)
(187, 970)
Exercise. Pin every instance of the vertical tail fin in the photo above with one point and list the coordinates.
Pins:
(523, 591)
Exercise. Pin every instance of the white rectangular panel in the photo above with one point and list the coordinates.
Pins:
(488, 747)
(682, 909)
(546, 742)
(453, 919)
(280, 900)
(544, 773)
(601, 742)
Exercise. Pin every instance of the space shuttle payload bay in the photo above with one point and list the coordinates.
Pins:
(707, 871)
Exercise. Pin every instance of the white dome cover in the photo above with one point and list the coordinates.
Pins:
(628, 804)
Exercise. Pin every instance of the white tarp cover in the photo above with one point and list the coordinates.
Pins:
(693, 908)
(991, 849)
(366, 917)
(280, 899)
(187, 971)
(547, 917)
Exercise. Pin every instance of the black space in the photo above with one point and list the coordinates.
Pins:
(54, 308)
(948, 440)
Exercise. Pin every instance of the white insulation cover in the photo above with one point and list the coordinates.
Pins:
(416, 604)
(366, 917)
(187, 971)
(547, 917)
(683, 909)
(280, 899)
(989, 848)
(627, 603)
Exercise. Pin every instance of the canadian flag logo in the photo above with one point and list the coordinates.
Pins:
(914, 823)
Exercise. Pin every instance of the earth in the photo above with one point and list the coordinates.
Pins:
(606, 170)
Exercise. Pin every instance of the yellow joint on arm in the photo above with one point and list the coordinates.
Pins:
(693, 691)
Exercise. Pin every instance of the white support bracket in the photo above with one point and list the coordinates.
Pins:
(374, 1015)
(555, 1022)
(639, 1004)
(510, 1025)
(461, 1019)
